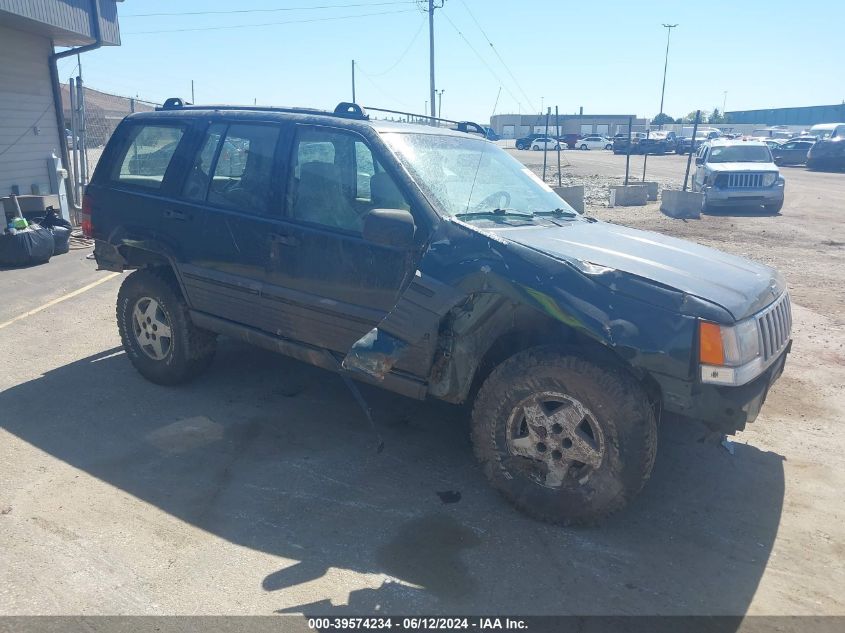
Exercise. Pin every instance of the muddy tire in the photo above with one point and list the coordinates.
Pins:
(158, 335)
(566, 440)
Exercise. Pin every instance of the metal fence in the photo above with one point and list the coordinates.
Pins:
(91, 117)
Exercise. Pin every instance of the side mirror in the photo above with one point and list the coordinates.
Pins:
(389, 227)
(699, 160)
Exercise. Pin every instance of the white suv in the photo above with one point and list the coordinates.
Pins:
(732, 173)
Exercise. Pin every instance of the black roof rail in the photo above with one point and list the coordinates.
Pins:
(460, 126)
(344, 109)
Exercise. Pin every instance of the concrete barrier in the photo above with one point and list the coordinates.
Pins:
(628, 195)
(681, 204)
(574, 196)
(651, 187)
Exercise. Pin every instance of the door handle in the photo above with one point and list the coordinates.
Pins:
(287, 240)
(172, 214)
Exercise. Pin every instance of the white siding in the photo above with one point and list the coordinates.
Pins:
(26, 105)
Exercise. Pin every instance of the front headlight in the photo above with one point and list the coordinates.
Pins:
(769, 179)
(729, 354)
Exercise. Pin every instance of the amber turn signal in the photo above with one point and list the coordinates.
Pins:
(710, 349)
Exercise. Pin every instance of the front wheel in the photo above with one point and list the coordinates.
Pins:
(584, 147)
(158, 335)
(565, 439)
(608, 146)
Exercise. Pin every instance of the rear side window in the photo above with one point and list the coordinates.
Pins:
(242, 178)
(148, 155)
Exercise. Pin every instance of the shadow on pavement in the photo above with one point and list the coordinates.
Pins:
(274, 455)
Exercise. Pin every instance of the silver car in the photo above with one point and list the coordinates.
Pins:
(738, 173)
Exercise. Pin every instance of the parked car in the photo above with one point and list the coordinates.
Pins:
(657, 142)
(738, 173)
(772, 143)
(525, 141)
(594, 142)
(827, 154)
(337, 242)
(570, 139)
(545, 142)
(827, 130)
(792, 152)
(685, 144)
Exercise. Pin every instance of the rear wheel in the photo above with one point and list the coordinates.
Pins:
(158, 335)
(583, 147)
(608, 146)
(564, 439)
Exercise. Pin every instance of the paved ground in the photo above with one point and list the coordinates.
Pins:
(257, 488)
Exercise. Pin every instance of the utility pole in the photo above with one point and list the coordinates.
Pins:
(724, 101)
(440, 102)
(668, 28)
(192, 92)
(432, 5)
(353, 81)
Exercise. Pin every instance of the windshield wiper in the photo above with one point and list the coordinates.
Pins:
(494, 212)
(565, 213)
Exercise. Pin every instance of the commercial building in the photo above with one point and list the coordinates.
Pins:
(33, 143)
(517, 125)
(803, 116)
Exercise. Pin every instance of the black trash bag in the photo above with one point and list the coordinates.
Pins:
(61, 237)
(33, 245)
(60, 228)
(52, 219)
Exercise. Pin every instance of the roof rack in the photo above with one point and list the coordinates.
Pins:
(469, 127)
(344, 109)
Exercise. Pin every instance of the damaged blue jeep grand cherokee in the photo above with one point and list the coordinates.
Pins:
(431, 263)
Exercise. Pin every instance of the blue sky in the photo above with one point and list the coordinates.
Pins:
(604, 55)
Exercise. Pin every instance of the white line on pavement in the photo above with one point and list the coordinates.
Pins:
(50, 304)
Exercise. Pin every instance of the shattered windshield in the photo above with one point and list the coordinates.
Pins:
(468, 176)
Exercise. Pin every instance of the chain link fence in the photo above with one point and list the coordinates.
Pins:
(90, 117)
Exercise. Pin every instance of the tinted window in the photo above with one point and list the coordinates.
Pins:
(336, 180)
(150, 150)
(196, 184)
(243, 173)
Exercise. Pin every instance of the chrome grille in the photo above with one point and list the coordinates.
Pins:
(741, 180)
(775, 326)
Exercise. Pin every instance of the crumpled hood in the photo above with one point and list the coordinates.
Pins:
(734, 167)
(738, 285)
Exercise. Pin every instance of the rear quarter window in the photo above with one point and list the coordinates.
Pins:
(147, 154)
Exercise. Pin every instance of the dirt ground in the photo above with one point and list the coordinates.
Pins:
(257, 488)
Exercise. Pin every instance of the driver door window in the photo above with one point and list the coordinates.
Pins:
(336, 181)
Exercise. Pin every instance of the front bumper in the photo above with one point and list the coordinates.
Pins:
(726, 197)
(727, 409)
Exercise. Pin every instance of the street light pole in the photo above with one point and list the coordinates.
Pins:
(724, 101)
(440, 102)
(668, 28)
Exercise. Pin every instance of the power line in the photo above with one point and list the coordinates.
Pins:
(309, 8)
(244, 26)
(483, 61)
(377, 87)
(496, 52)
(404, 53)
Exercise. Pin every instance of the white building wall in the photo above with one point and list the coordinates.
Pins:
(28, 130)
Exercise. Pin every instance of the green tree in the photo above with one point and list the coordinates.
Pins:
(716, 116)
(662, 119)
(689, 118)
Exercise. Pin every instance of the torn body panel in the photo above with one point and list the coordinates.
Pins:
(472, 289)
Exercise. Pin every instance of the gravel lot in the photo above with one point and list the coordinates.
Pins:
(257, 489)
